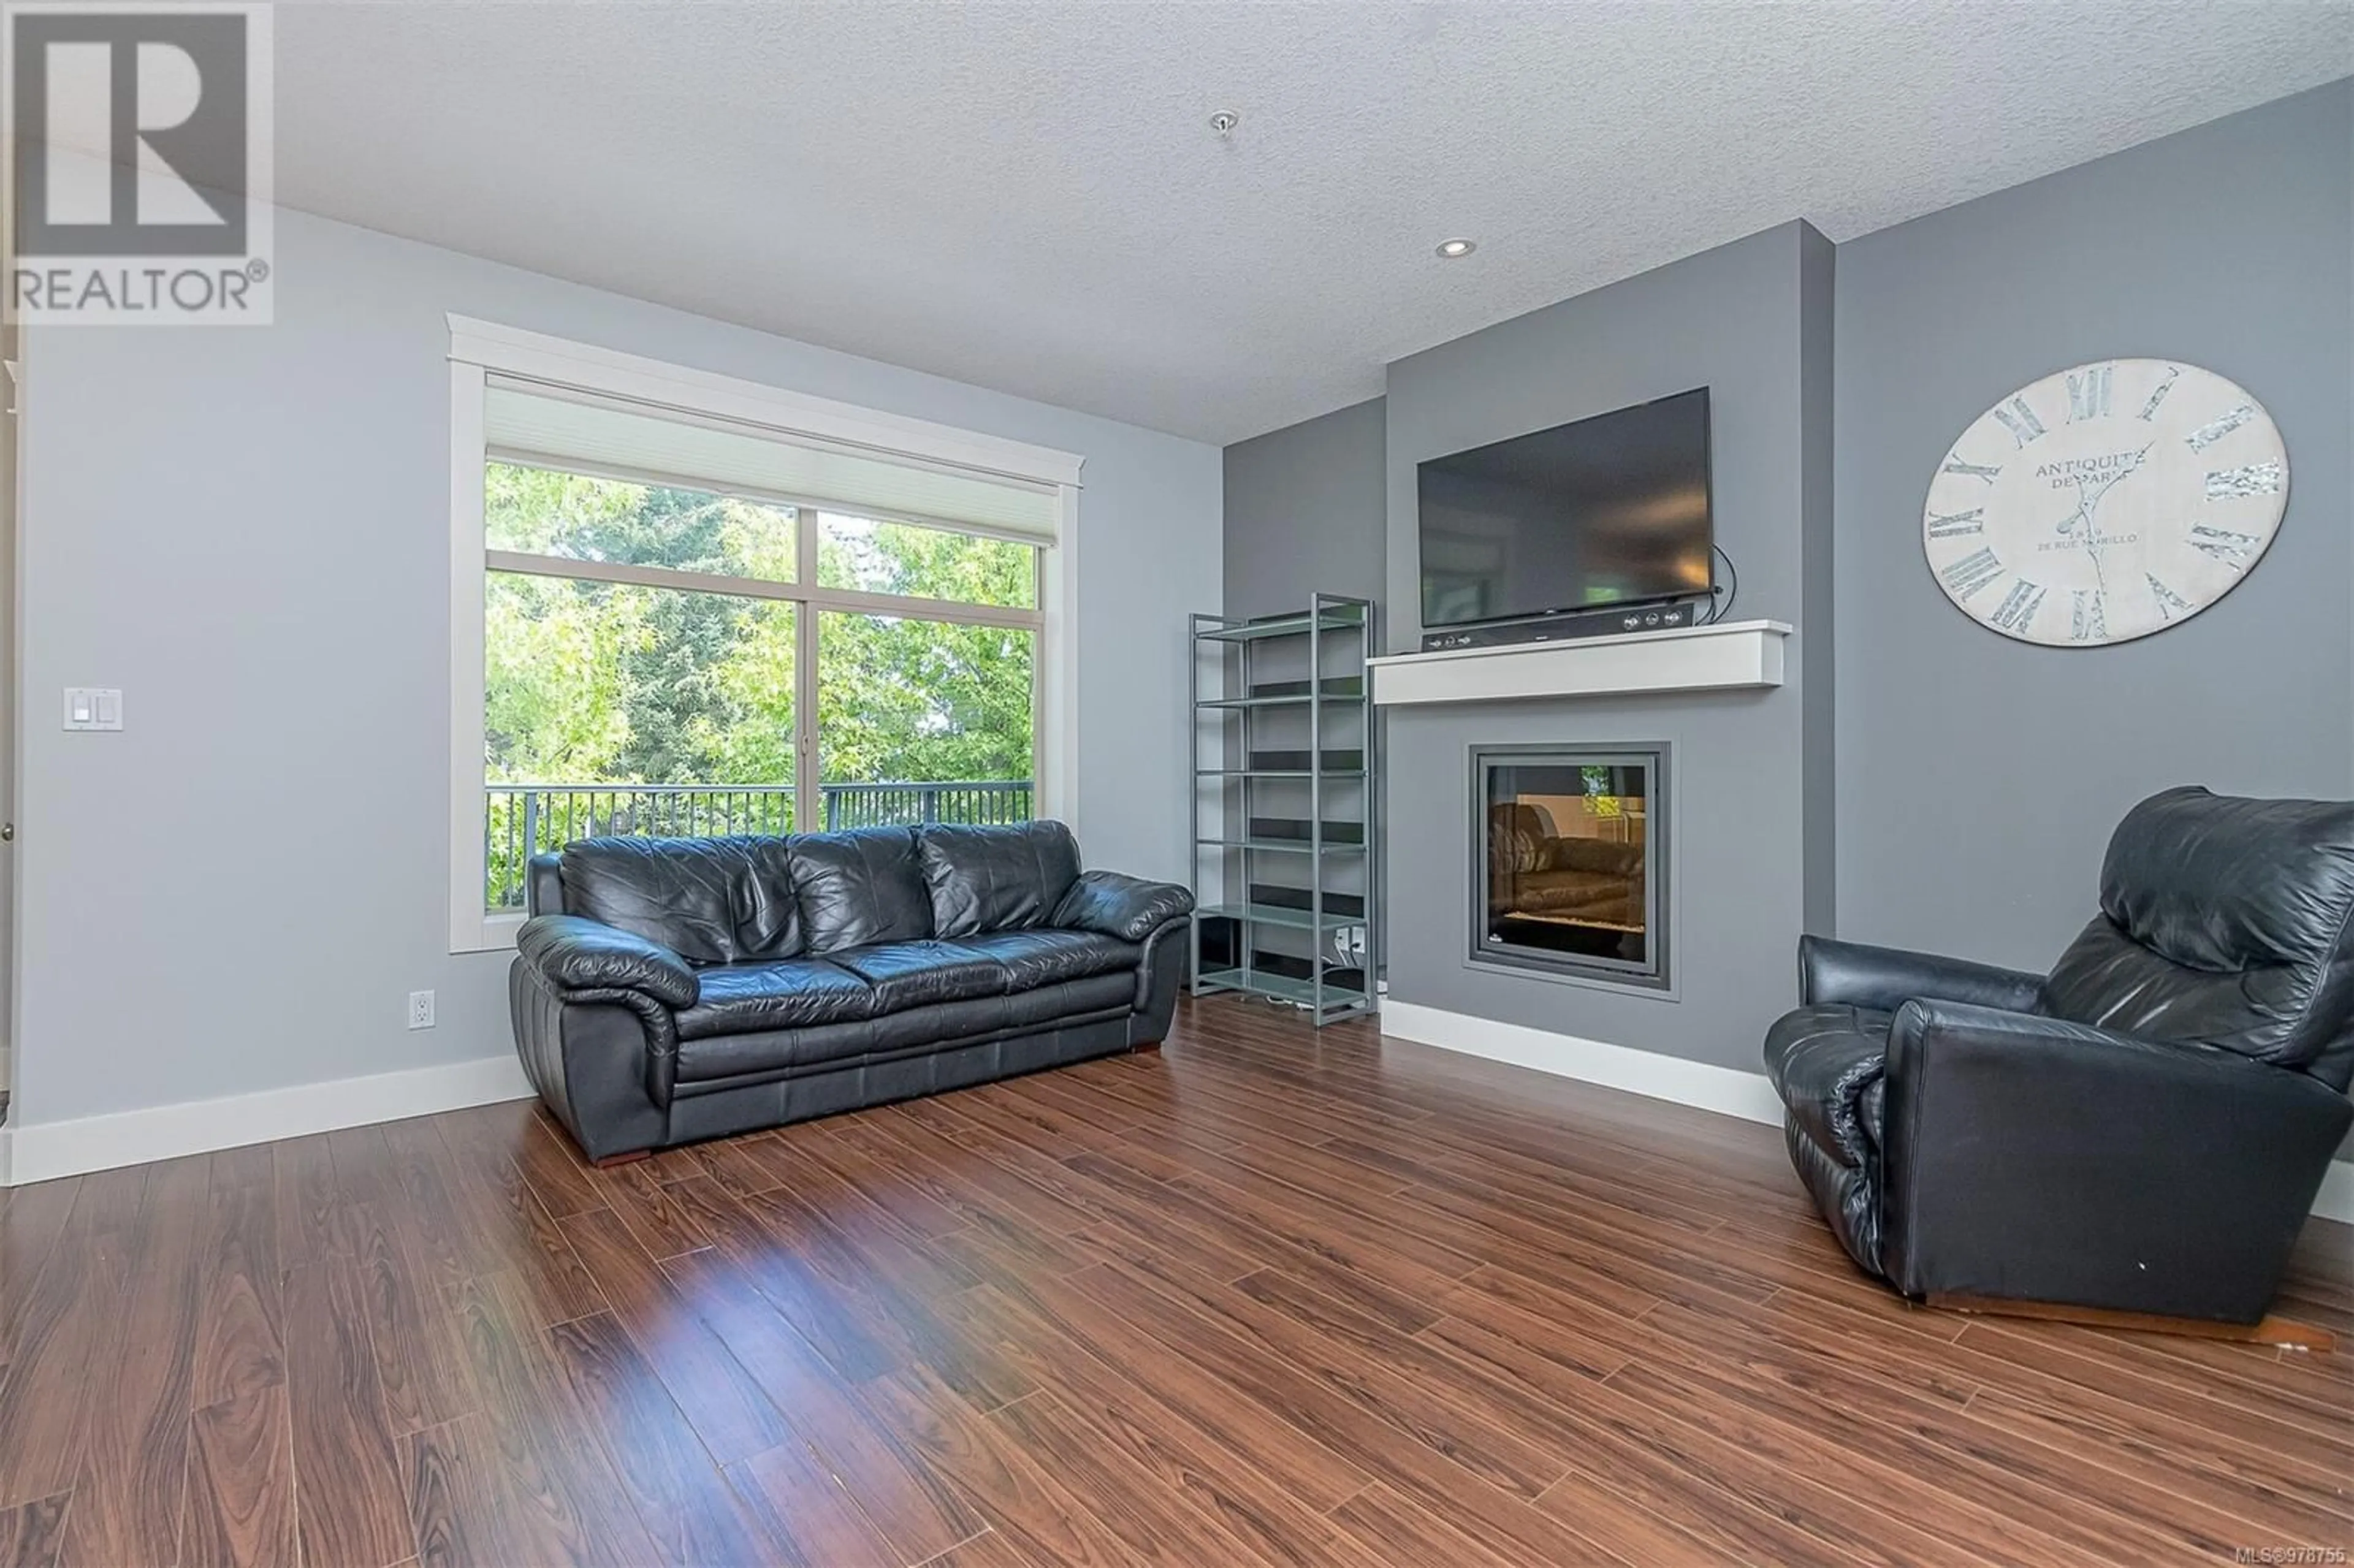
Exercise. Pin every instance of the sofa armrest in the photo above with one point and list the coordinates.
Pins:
(1888, 978)
(573, 952)
(2034, 1159)
(1128, 907)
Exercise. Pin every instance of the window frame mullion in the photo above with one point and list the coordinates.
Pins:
(858, 601)
(808, 793)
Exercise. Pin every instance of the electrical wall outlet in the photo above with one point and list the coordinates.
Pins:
(421, 1010)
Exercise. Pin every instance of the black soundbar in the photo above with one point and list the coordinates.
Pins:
(1616, 621)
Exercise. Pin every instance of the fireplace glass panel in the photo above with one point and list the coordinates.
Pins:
(1572, 862)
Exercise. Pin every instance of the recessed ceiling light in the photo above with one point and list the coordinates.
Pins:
(1452, 249)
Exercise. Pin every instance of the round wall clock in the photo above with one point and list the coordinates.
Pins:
(2106, 503)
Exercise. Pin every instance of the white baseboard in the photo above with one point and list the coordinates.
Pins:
(43, 1150)
(1727, 1090)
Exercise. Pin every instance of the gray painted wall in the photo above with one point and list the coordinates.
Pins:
(1973, 780)
(1304, 515)
(246, 530)
(1746, 320)
(1305, 512)
(1978, 778)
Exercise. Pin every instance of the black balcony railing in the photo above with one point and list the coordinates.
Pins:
(520, 821)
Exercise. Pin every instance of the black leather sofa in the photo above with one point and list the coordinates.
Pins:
(2143, 1129)
(670, 990)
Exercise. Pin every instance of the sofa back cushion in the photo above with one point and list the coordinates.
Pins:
(1004, 878)
(2224, 920)
(710, 901)
(860, 887)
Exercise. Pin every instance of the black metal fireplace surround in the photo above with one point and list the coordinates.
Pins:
(1569, 860)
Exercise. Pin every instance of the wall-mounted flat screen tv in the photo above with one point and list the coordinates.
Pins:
(1609, 511)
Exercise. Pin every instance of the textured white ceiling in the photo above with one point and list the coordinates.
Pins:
(1028, 197)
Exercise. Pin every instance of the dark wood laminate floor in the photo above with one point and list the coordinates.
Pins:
(1267, 1297)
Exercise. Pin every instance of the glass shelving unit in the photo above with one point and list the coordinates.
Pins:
(1285, 856)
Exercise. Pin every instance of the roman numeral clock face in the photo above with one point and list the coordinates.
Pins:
(2106, 503)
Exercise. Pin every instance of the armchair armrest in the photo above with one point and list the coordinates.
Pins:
(573, 952)
(1888, 978)
(2034, 1159)
(1128, 907)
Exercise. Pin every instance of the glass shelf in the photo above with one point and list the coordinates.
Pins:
(1287, 846)
(1350, 690)
(1276, 915)
(1333, 773)
(1259, 982)
(1286, 626)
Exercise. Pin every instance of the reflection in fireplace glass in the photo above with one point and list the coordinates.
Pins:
(1570, 863)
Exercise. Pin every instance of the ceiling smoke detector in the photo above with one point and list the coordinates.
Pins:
(1453, 248)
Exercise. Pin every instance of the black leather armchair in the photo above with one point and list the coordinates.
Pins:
(2140, 1132)
(669, 989)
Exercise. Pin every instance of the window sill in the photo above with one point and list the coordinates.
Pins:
(493, 934)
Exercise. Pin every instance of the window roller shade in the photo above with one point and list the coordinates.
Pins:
(532, 423)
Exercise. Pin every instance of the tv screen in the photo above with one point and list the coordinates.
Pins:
(1611, 510)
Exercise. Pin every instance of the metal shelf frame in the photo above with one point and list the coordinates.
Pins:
(1336, 629)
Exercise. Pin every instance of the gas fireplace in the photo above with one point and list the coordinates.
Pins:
(1570, 861)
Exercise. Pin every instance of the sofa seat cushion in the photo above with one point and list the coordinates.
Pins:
(917, 974)
(729, 1061)
(1826, 1062)
(784, 993)
(1536, 892)
(1062, 999)
(723, 1058)
(1033, 959)
(1572, 893)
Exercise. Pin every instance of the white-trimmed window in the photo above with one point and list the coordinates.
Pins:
(684, 604)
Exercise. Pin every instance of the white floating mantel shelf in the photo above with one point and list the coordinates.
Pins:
(1738, 654)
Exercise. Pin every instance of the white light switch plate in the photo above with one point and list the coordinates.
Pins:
(93, 707)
